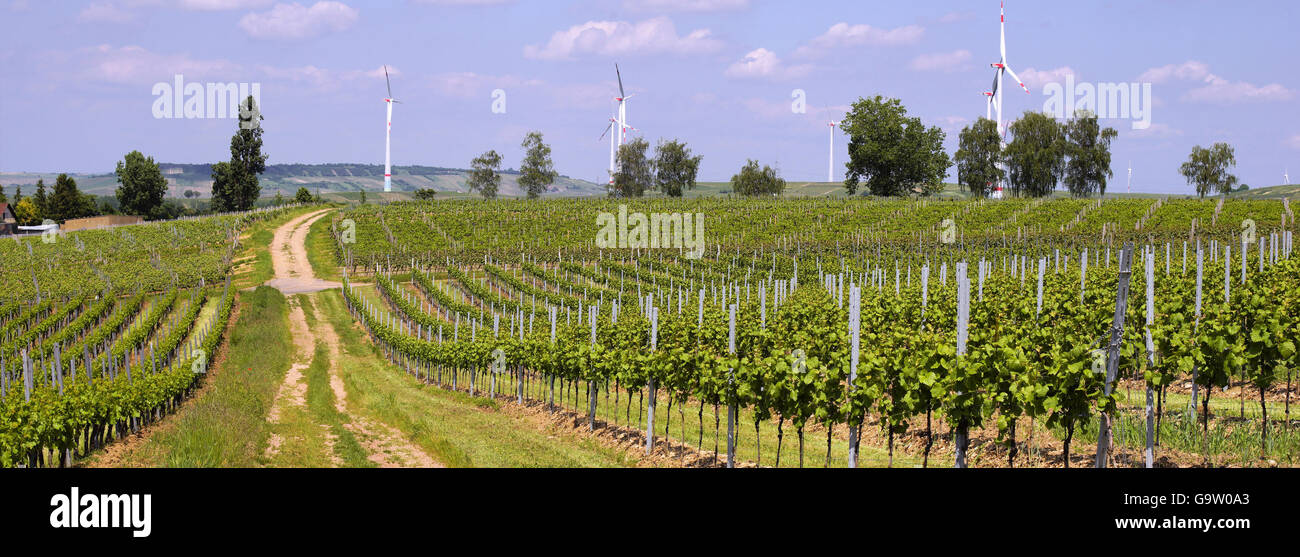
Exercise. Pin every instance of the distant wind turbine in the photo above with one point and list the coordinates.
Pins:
(388, 137)
(1286, 176)
(830, 175)
(1130, 176)
(619, 123)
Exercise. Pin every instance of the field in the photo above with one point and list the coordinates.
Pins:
(908, 332)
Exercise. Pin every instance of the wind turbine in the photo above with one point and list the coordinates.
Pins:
(1130, 176)
(1000, 69)
(830, 174)
(388, 137)
(613, 146)
(619, 123)
(1286, 176)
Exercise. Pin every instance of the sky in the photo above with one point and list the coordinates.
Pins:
(78, 79)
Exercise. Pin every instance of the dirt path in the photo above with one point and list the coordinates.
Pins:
(293, 273)
(385, 445)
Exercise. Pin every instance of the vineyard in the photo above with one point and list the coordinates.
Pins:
(104, 332)
(887, 320)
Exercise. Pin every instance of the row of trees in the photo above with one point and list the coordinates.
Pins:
(536, 172)
(1043, 152)
(65, 202)
(672, 171)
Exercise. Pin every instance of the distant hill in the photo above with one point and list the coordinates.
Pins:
(325, 178)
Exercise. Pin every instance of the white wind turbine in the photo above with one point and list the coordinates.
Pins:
(619, 124)
(388, 137)
(830, 174)
(995, 96)
(1286, 176)
(1130, 176)
(1000, 69)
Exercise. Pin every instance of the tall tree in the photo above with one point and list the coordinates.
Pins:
(1207, 169)
(1036, 155)
(3, 197)
(484, 177)
(1088, 147)
(41, 200)
(303, 196)
(235, 185)
(675, 168)
(18, 194)
(143, 186)
(635, 170)
(978, 156)
(68, 202)
(755, 181)
(890, 153)
(537, 172)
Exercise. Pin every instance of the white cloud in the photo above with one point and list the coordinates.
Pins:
(685, 5)
(1294, 142)
(1036, 79)
(466, 2)
(105, 12)
(295, 21)
(765, 64)
(134, 64)
(843, 35)
(942, 61)
(618, 38)
(1157, 131)
(470, 84)
(223, 5)
(1215, 89)
(323, 78)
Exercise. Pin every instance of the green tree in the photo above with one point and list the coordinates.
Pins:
(890, 153)
(426, 194)
(41, 200)
(675, 168)
(635, 171)
(18, 194)
(3, 197)
(27, 213)
(753, 181)
(303, 196)
(1036, 155)
(485, 178)
(363, 197)
(1088, 146)
(235, 185)
(1207, 169)
(68, 202)
(537, 172)
(143, 186)
(978, 157)
(279, 198)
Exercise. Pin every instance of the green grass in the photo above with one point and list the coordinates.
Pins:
(454, 428)
(225, 426)
(321, 401)
(320, 251)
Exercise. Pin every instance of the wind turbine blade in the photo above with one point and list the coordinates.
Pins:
(388, 82)
(995, 85)
(1017, 78)
(1004, 32)
(621, 94)
(607, 128)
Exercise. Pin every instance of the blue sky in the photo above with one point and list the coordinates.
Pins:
(77, 77)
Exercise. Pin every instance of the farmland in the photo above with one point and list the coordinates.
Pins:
(918, 332)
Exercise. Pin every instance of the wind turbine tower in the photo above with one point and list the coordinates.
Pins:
(388, 137)
(830, 174)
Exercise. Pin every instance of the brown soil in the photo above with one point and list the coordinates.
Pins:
(293, 273)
